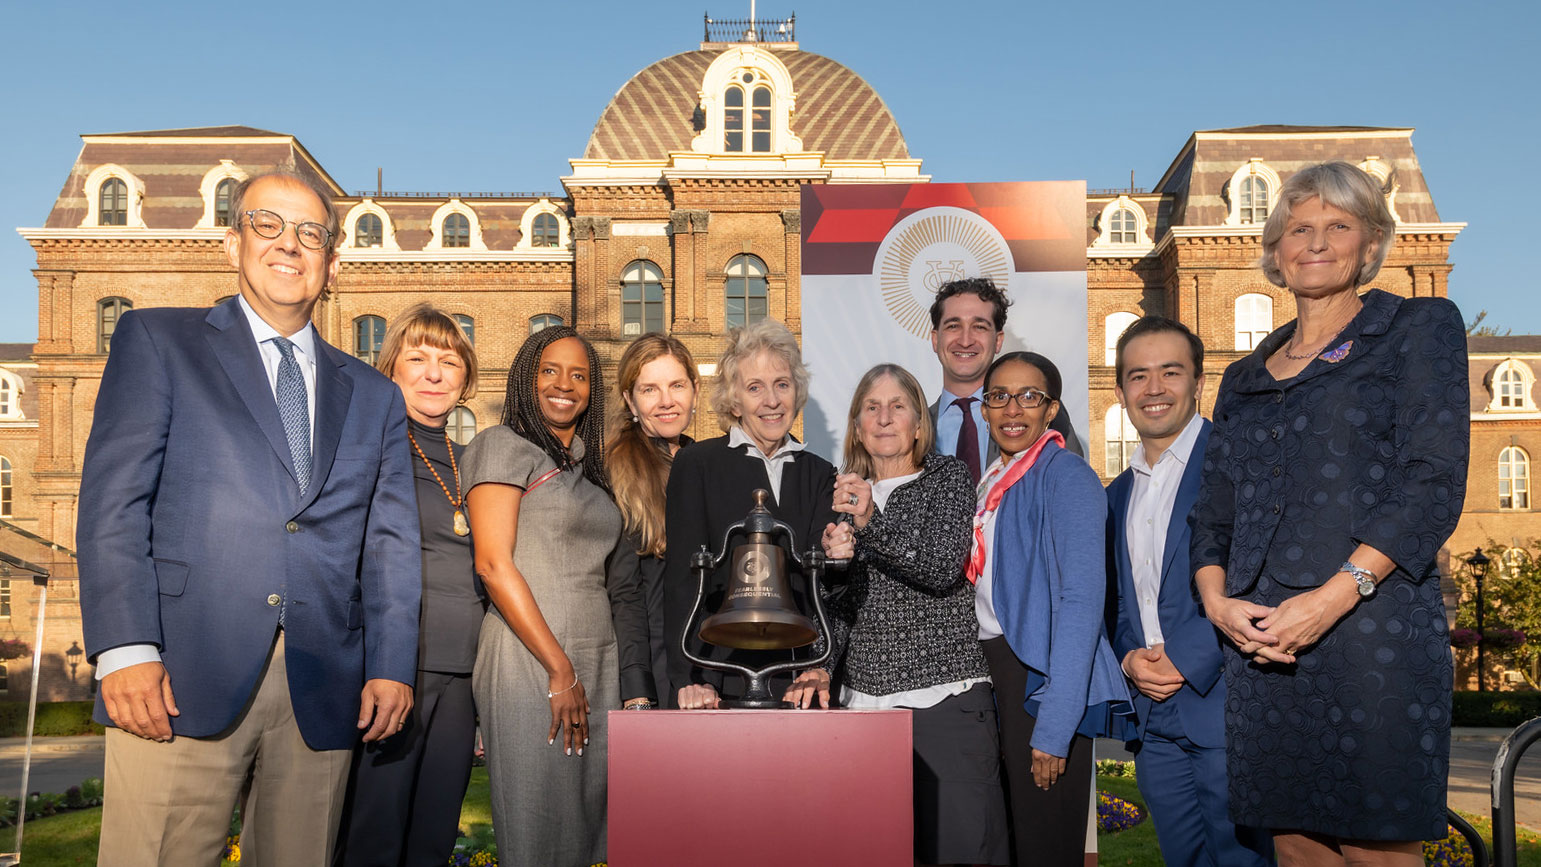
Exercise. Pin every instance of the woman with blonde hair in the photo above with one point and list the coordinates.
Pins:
(657, 381)
(404, 795)
(762, 385)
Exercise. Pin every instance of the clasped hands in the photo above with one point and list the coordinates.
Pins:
(1280, 633)
(139, 701)
(853, 496)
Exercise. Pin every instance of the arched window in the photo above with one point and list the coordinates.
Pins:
(461, 425)
(733, 120)
(368, 231)
(542, 321)
(1112, 328)
(1511, 388)
(1254, 320)
(1254, 199)
(1121, 437)
(222, 192)
(5, 487)
(1123, 228)
(468, 325)
(1512, 562)
(760, 120)
(546, 231)
(456, 231)
(108, 312)
(744, 291)
(641, 299)
(1513, 478)
(1512, 381)
(368, 334)
(10, 396)
(112, 207)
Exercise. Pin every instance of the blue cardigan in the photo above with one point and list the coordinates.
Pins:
(1050, 584)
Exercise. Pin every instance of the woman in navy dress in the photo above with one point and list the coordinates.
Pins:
(1335, 472)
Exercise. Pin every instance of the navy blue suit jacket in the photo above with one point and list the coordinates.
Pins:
(191, 518)
(1191, 641)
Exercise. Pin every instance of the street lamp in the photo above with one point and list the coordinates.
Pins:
(1478, 563)
(73, 654)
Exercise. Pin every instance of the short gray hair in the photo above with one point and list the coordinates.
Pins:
(1345, 187)
(744, 343)
(322, 194)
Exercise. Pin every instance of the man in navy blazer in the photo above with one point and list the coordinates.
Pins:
(1167, 649)
(248, 553)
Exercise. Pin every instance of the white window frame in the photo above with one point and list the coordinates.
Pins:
(1254, 167)
(226, 170)
(1118, 429)
(11, 389)
(454, 206)
(387, 228)
(728, 69)
(1514, 477)
(527, 226)
(1112, 326)
(456, 423)
(1104, 239)
(1504, 374)
(93, 189)
(1247, 322)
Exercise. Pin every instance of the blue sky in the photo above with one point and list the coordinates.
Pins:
(499, 95)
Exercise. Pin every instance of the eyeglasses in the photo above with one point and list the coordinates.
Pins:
(1027, 399)
(269, 225)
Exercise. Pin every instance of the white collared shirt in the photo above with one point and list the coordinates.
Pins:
(1151, 500)
(773, 464)
(304, 342)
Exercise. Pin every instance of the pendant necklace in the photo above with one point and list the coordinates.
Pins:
(462, 528)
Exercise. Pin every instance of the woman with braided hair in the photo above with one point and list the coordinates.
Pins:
(546, 663)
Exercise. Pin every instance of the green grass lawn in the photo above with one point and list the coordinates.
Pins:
(70, 838)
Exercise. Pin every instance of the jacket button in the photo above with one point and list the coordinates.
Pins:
(1278, 397)
(1276, 508)
(292, 526)
(1274, 434)
(1276, 472)
(274, 599)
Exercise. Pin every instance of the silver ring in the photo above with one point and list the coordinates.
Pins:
(854, 499)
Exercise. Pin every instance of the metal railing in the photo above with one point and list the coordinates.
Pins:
(750, 30)
(395, 194)
(1505, 852)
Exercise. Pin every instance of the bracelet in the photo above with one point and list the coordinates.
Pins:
(641, 705)
(552, 695)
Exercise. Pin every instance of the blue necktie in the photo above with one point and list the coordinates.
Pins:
(294, 410)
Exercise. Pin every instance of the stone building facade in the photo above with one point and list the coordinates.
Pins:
(681, 214)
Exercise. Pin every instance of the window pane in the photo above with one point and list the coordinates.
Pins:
(762, 142)
(654, 316)
(468, 325)
(735, 312)
(734, 98)
(222, 202)
(457, 231)
(762, 97)
(461, 425)
(368, 334)
(113, 204)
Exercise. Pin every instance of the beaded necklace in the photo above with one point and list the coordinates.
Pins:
(461, 527)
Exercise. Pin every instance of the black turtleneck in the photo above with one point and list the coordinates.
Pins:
(452, 606)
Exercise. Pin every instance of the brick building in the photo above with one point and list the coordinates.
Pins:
(681, 214)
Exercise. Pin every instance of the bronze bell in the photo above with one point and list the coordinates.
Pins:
(757, 611)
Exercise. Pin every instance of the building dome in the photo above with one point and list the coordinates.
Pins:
(838, 113)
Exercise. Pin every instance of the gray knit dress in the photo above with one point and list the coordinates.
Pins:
(548, 808)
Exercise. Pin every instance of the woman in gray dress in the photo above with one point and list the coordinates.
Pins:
(544, 524)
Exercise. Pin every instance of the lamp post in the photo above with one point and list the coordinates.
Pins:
(73, 654)
(1478, 563)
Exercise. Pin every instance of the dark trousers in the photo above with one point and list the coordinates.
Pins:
(1048, 827)
(1184, 786)
(405, 793)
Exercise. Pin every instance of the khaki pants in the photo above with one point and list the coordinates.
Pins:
(170, 803)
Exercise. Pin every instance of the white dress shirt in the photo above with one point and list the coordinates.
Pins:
(1151, 500)
(784, 455)
(304, 342)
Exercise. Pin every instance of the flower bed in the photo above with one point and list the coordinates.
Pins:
(1453, 851)
(1116, 814)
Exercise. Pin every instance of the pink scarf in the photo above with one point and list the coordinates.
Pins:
(976, 563)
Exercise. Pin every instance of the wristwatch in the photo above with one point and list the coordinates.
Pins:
(1362, 576)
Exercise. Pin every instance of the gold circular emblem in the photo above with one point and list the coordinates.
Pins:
(756, 566)
(929, 248)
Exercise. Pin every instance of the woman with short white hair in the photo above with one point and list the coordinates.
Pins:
(1335, 472)
(761, 387)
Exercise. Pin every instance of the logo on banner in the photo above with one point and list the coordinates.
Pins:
(929, 248)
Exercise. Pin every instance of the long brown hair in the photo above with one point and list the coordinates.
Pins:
(639, 471)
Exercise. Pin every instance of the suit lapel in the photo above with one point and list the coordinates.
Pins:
(1187, 495)
(334, 390)
(1121, 488)
(236, 348)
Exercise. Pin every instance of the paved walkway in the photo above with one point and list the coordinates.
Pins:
(58, 763)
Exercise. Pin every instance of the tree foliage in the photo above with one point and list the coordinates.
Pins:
(1475, 328)
(1511, 596)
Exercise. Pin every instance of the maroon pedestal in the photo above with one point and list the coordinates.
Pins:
(692, 788)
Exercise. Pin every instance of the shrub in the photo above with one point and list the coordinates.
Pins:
(14, 648)
(1496, 709)
(1464, 638)
(1503, 639)
(1115, 768)
(54, 719)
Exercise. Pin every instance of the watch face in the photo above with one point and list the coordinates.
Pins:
(1366, 586)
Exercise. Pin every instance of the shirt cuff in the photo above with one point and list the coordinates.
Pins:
(122, 657)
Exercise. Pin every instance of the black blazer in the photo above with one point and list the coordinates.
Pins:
(710, 488)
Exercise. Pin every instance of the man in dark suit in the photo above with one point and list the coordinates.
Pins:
(1169, 651)
(249, 562)
(968, 321)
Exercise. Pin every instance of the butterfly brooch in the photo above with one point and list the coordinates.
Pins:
(1333, 356)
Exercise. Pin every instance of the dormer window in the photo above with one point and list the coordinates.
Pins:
(113, 209)
(222, 192)
(1511, 383)
(750, 127)
(1254, 199)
